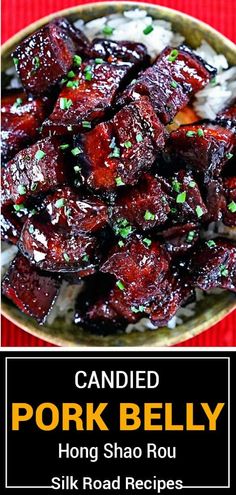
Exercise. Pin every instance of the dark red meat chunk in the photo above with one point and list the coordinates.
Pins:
(221, 201)
(21, 118)
(34, 170)
(138, 268)
(229, 212)
(170, 82)
(57, 250)
(70, 210)
(11, 224)
(116, 153)
(91, 97)
(32, 291)
(189, 204)
(214, 265)
(179, 239)
(144, 206)
(46, 56)
(205, 149)
(119, 52)
(227, 117)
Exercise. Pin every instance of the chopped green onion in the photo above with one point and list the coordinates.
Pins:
(200, 132)
(21, 190)
(64, 146)
(36, 62)
(19, 207)
(176, 185)
(128, 144)
(149, 215)
(190, 133)
(199, 211)
(232, 207)
(76, 151)
(191, 235)
(66, 257)
(140, 309)
(88, 76)
(71, 74)
(86, 124)
(107, 30)
(147, 241)
(174, 84)
(223, 271)
(72, 84)
(39, 155)
(120, 285)
(211, 243)
(77, 169)
(139, 137)
(18, 102)
(15, 61)
(119, 181)
(173, 210)
(148, 29)
(85, 257)
(125, 231)
(229, 156)
(181, 198)
(192, 183)
(173, 56)
(65, 103)
(115, 153)
(31, 229)
(121, 244)
(34, 186)
(99, 61)
(77, 60)
(59, 203)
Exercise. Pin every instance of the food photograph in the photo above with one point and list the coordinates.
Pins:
(118, 176)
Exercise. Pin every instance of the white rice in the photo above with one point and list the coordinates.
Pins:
(207, 103)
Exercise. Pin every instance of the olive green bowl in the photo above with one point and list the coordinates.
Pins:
(213, 307)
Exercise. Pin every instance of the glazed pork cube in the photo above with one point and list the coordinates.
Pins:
(214, 265)
(229, 213)
(21, 118)
(189, 204)
(145, 206)
(37, 169)
(170, 82)
(47, 55)
(179, 239)
(57, 250)
(119, 52)
(221, 201)
(117, 152)
(11, 224)
(206, 149)
(85, 98)
(139, 268)
(70, 210)
(32, 291)
(227, 117)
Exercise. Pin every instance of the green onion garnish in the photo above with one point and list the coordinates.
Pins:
(39, 155)
(211, 243)
(107, 30)
(60, 203)
(119, 181)
(76, 151)
(65, 103)
(120, 285)
(173, 55)
(181, 198)
(232, 207)
(21, 190)
(149, 215)
(199, 211)
(77, 60)
(148, 29)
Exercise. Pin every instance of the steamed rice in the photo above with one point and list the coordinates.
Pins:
(207, 103)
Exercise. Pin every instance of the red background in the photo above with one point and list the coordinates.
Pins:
(16, 14)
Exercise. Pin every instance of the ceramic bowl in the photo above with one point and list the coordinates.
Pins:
(213, 307)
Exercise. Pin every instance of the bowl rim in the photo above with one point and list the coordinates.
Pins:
(7, 46)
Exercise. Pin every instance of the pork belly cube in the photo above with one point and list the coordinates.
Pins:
(145, 206)
(57, 250)
(179, 239)
(71, 210)
(189, 204)
(11, 224)
(32, 291)
(117, 152)
(37, 169)
(214, 265)
(119, 52)
(138, 267)
(21, 118)
(227, 117)
(215, 200)
(206, 149)
(170, 82)
(86, 98)
(43, 58)
(173, 293)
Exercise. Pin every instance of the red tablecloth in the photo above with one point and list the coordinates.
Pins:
(16, 14)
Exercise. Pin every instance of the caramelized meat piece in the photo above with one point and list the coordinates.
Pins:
(144, 206)
(214, 265)
(34, 292)
(21, 118)
(138, 268)
(179, 239)
(215, 200)
(34, 170)
(205, 149)
(119, 52)
(11, 224)
(57, 250)
(116, 153)
(229, 213)
(46, 56)
(86, 98)
(227, 117)
(70, 210)
(188, 200)
(170, 82)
